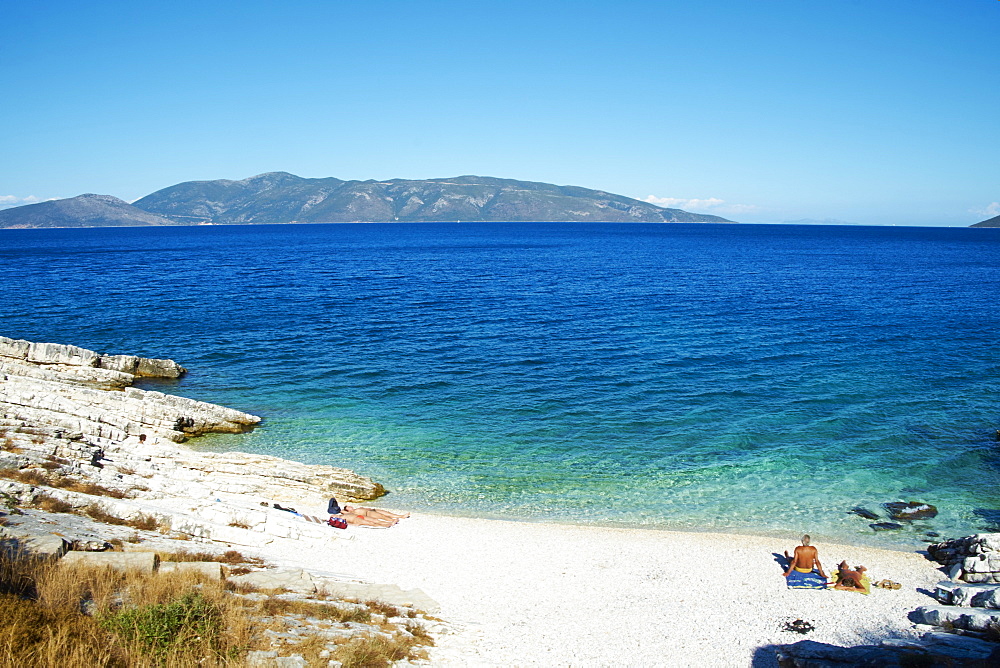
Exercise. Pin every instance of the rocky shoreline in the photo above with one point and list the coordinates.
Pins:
(71, 412)
(91, 464)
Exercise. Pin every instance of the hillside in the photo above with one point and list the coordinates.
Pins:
(279, 197)
(992, 222)
(82, 211)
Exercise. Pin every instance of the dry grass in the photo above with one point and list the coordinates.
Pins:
(231, 557)
(383, 608)
(32, 477)
(132, 619)
(42, 478)
(51, 504)
(8, 444)
(141, 521)
(309, 649)
(93, 489)
(98, 513)
(52, 615)
(375, 651)
(336, 613)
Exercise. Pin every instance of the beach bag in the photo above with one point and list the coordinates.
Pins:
(333, 508)
(337, 522)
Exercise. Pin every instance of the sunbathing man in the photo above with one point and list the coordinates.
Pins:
(848, 580)
(805, 559)
(361, 520)
(374, 513)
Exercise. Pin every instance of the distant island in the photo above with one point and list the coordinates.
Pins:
(991, 222)
(280, 197)
(815, 221)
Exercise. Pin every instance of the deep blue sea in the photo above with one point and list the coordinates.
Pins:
(743, 378)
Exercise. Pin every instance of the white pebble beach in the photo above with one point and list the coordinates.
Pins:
(532, 594)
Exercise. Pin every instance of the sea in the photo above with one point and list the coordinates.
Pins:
(749, 379)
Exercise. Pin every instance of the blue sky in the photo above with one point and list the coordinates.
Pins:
(872, 112)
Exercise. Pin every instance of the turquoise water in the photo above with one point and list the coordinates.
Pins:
(725, 378)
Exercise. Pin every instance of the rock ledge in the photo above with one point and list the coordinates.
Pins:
(69, 411)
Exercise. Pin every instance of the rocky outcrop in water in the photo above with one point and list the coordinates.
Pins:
(69, 411)
(910, 510)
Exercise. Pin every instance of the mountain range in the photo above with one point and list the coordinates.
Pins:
(82, 211)
(280, 197)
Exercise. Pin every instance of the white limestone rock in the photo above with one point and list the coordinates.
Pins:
(70, 412)
(295, 580)
(973, 558)
(145, 562)
(972, 619)
(969, 595)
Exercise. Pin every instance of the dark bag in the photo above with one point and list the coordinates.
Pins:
(337, 522)
(333, 508)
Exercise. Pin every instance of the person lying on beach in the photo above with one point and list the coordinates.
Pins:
(805, 559)
(371, 517)
(361, 520)
(850, 580)
(374, 513)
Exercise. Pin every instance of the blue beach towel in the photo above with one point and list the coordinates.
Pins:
(811, 580)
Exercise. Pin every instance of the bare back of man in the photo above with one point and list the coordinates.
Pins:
(805, 559)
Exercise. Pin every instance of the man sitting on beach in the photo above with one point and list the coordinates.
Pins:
(805, 559)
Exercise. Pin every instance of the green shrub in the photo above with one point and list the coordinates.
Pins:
(161, 627)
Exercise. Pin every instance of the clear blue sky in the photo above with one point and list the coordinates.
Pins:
(868, 111)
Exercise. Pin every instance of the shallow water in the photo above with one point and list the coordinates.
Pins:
(743, 378)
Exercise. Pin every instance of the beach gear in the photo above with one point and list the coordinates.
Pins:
(334, 507)
(888, 584)
(799, 626)
(811, 580)
(337, 522)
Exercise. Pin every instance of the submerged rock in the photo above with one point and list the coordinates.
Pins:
(910, 510)
(863, 512)
(885, 526)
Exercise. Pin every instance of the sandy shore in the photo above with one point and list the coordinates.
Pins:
(545, 594)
